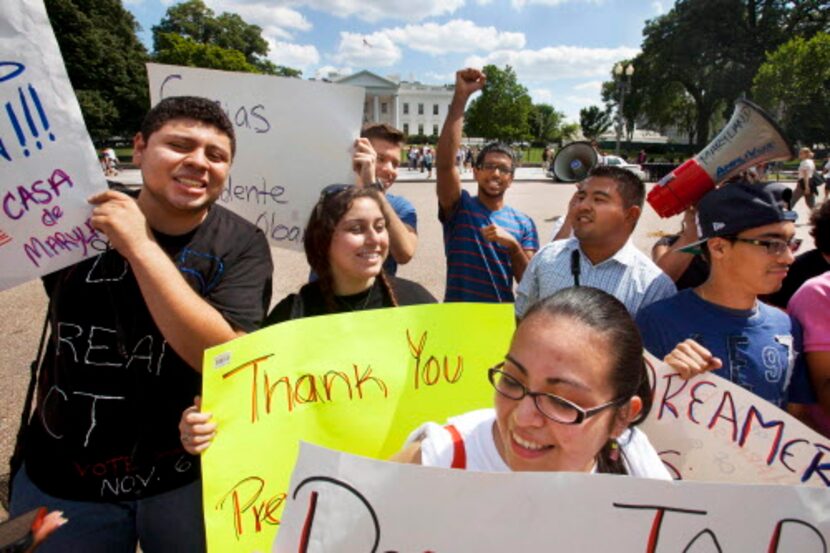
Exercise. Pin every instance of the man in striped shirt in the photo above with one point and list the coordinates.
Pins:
(600, 254)
(487, 243)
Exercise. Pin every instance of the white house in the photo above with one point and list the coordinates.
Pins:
(413, 107)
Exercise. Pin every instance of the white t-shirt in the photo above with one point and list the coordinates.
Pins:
(806, 169)
(476, 430)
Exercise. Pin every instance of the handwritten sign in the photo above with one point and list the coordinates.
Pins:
(357, 382)
(48, 161)
(294, 137)
(339, 502)
(708, 428)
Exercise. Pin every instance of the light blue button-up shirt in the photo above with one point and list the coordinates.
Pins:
(629, 275)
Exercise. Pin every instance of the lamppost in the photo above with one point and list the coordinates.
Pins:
(622, 74)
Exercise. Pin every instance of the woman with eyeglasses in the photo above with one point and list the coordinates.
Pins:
(346, 243)
(568, 397)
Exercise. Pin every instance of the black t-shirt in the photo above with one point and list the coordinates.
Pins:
(695, 274)
(310, 302)
(806, 266)
(111, 390)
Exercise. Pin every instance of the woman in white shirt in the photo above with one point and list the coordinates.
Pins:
(568, 397)
(805, 172)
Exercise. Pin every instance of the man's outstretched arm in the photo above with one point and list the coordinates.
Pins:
(448, 187)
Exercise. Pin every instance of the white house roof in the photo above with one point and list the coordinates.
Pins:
(367, 80)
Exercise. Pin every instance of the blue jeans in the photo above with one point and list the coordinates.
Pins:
(170, 521)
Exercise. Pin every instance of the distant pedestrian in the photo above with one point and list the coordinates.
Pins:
(826, 172)
(641, 157)
(468, 160)
(547, 157)
(805, 174)
(428, 161)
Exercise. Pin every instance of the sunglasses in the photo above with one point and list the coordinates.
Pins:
(328, 192)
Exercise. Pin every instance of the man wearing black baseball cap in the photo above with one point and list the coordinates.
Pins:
(747, 235)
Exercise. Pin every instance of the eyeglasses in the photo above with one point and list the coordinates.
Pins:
(551, 406)
(774, 246)
(492, 167)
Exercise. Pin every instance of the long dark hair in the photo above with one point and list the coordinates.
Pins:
(606, 315)
(334, 203)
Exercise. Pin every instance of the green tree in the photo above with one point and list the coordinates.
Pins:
(194, 35)
(713, 48)
(502, 110)
(594, 121)
(105, 62)
(548, 125)
(793, 84)
(179, 50)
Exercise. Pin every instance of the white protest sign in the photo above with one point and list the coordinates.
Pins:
(293, 138)
(708, 428)
(49, 165)
(341, 502)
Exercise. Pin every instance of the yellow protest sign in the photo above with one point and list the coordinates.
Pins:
(356, 382)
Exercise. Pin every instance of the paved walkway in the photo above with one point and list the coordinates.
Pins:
(132, 177)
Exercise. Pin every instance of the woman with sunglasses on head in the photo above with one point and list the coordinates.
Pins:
(568, 397)
(346, 243)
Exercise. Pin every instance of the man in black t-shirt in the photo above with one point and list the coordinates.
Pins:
(809, 264)
(128, 331)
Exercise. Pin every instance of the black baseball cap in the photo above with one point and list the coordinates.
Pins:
(739, 206)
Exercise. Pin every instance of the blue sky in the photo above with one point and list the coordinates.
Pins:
(561, 50)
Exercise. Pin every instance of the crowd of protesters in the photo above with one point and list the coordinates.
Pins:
(568, 395)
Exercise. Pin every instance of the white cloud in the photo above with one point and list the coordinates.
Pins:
(458, 35)
(277, 22)
(592, 86)
(541, 96)
(374, 50)
(519, 4)
(375, 10)
(367, 10)
(556, 62)
(298, 56)
(658, 7)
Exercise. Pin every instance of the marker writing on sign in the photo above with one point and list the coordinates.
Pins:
(306, 387)
(28, 117)
(811, 536)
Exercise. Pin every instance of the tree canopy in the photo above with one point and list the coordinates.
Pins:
(105, 63)
(502, 110)
(707, 52)
(548, 125)
(191, 34)
(793, 85)
(594, 121)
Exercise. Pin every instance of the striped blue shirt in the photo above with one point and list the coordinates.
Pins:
(479, 270)
(629, 275)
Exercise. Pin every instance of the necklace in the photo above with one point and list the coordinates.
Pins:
(358, 305)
